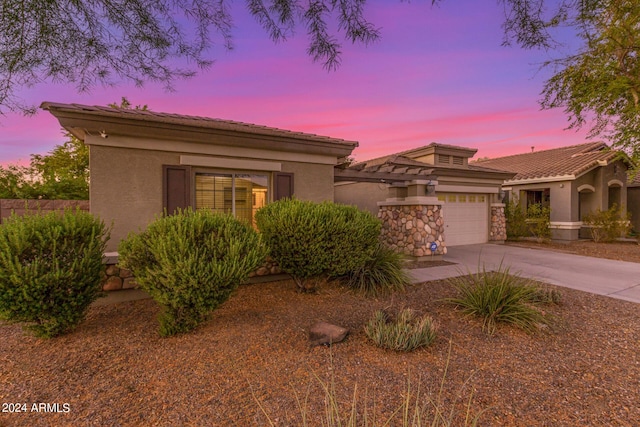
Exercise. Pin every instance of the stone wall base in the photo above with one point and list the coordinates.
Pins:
(115, 278)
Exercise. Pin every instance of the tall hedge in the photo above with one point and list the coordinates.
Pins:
(310, 239)
(190, 263)
(50, 269)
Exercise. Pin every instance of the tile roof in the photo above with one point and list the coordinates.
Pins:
(195, 121)
(400, 159)
(565, 161)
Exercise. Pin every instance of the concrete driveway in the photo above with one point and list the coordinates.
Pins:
(616, 279)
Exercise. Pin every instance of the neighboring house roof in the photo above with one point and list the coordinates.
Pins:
(403, 162)
(564, 163)
(81, 119)
(635, 182)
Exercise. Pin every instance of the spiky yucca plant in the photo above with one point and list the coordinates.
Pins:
(499, 297)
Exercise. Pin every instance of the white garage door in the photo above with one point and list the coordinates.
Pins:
(466, 218)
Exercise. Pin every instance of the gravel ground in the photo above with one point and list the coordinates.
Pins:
(115, 370)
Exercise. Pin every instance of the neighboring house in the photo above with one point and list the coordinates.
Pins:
(466, 192)
(573, 181)
(143, 162)
(633, 202)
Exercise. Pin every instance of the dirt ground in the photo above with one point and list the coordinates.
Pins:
(253, 352)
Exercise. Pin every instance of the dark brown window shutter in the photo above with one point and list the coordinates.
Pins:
(176, 187)
(283, 183)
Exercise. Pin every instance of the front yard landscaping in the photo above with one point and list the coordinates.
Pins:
(115, 369)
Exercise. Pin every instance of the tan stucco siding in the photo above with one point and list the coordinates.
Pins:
(312, 182)
(364, 195)
(633, 204)
(126, 187)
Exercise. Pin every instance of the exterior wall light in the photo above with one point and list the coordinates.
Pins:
(431, 188)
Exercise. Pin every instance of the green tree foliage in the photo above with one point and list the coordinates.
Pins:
(103, 42)
(50, 269)
(314, 239)
(190, 263)
(63, 173)
(600, 83)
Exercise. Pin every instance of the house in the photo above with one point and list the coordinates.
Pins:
(468, 195)
(633, 202)
(573, 181)
(144, 162)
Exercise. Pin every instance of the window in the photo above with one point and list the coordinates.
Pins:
(239, 194)
(442, 197)
(462, 198)
(538, 197)
(451, 198)
(232, 193)
(472, 198)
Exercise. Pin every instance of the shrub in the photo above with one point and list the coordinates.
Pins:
(380, 275)
(498, 297)
(312, 239)
(50, 269)
(516, 220)
(404, 333)
(607, 226)
(190, 263)
(538, 219)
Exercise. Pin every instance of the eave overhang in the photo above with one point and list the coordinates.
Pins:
(81, 123)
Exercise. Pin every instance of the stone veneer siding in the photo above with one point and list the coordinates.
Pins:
(115, 278)
(498, 231)
(410, 229)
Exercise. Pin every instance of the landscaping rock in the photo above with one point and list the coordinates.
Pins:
(323, 333)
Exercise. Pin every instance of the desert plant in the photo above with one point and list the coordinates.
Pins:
(405, 332)
(546, 295)
(380, 275)
(417, 408)
(538, 219)
(498, 297)
(312, 239)
(50, 269)
(607, 226)
(190, 263)
(516, 220)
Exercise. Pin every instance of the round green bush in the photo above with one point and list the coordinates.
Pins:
(310, 239)
(190, 263)
(50, 269)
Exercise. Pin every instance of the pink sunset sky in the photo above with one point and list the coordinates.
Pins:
(439, 74)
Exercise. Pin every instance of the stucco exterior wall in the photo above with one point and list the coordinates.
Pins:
(633, 204)
(126, 185)
(313, 182)
(365, 195)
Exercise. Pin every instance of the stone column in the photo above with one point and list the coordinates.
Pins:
(498, 231)
(411, 226)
